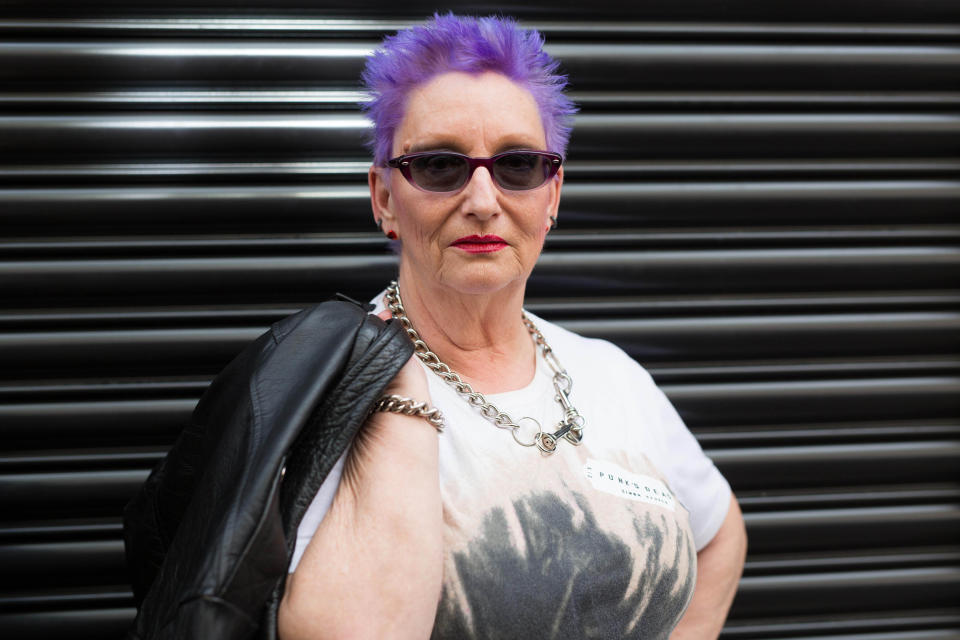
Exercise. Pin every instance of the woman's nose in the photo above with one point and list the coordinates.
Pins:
(481, 195)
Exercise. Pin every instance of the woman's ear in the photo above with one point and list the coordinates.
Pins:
(380, 200)
(556, 186)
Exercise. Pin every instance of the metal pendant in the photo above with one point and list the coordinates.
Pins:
(570, 428)
(572, 432)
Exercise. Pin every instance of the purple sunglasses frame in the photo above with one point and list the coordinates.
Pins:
(403, 164)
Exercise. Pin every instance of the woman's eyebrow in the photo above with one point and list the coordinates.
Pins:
(448, 144)
(516, 146)
(436, 145)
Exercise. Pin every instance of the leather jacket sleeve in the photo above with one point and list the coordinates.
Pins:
(209, 536)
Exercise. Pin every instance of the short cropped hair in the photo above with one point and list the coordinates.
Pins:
(473, 45)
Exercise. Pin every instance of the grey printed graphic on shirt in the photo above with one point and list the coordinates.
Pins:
(569, 578)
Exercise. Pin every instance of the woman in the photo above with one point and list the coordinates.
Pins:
(568, 500)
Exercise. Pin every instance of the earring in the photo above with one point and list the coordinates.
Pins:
(553, 222)
(390, 234)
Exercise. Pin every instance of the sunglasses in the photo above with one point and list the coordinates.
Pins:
(446, 171)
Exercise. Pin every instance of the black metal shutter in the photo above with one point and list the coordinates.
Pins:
(761, 207)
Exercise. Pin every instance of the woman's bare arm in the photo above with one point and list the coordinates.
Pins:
(719, 566)
(375, 564)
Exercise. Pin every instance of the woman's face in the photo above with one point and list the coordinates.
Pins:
(479, 116)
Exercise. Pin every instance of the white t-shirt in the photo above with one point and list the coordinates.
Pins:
(596, 540)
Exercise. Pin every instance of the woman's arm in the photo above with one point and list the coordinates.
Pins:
(375, 564)
(719, 565)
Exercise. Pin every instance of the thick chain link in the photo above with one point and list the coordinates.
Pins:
(410, 407)
(569, 428)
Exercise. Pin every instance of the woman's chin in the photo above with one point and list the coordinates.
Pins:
(481, 279)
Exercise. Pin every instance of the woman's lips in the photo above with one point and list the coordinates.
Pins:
(480, 244)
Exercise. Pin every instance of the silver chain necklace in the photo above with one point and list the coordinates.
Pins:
(570, 427)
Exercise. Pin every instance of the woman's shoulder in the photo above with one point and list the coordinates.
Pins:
(589, 353)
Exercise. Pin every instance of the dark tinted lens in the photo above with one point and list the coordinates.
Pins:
(439, 172)
(519, 170)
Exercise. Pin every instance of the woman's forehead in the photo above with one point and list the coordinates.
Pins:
(461, 111)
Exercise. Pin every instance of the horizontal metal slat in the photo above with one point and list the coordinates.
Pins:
(89, 562)
(263, 136)
(675, 347)
(764, 135)
(92, 459)
(48, 488)
(593, 65)
(653, 66)
(789, 402)
(164, 316)
(95, 389)
(66, 597)
(266, 278)
(855, 497)
(182, 61)
(922, 624)
(153, 421)
(320, 135)
(868, 560)
(703, 406)
(208, 350)
(228, 208)
(822, 432)
(839, 464)
(865, 528)
(637, 204)
(179, 279)
(787, 11)
(98, 623)
(767, 511)
(69, 493)
(792, 270)
(855, 527)
(680, 98)
(801, 369)
(872, 591)
(576, 171)
(147, 420)
(319, 243)
(84, 562)
(848, 591)
(593, 30)
(346, 208)
(191, 171)
(829, 464)
(61, 529)
(744, 338)
(554, 309)
(307, 97)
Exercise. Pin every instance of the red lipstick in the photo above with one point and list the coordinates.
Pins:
(480, 244)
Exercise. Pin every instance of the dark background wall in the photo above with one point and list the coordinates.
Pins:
(761, 207)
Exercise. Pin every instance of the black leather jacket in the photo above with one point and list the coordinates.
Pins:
(210, 535)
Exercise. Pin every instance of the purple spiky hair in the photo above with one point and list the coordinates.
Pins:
(472, 45)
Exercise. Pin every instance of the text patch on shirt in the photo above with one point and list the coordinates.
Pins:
(615, 480)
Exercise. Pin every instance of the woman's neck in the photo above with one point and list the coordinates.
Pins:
(481, 337)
